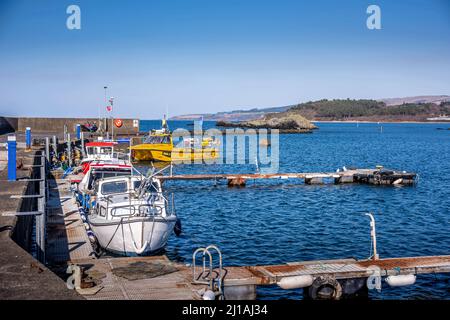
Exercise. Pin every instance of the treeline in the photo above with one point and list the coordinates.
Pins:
(340, 109)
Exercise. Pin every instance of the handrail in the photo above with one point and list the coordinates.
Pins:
(132, 193)
(208, 278)
(158, 207)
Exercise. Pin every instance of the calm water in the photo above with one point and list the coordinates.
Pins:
(284, 221)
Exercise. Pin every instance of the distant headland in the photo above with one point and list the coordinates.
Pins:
(413, 109)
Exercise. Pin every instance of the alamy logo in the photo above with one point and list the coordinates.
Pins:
(374, 20)
(374, 280)
(73, 22)
(234, 146)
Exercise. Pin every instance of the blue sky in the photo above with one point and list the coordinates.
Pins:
(196, 56)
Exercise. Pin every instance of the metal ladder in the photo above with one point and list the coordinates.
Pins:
(209, 276)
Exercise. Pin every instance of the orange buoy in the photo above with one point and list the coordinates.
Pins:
(118, 123)
(236, 182)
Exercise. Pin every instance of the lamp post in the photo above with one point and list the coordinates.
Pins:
(99, 120)
(111, 101)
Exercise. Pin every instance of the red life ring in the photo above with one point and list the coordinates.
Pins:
(118, 123)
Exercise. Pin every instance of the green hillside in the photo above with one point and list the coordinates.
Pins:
(339, 109)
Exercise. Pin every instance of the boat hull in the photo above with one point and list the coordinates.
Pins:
(134, 236)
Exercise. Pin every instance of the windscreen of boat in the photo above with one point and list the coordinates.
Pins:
(114, 187)
(157, 140)
(103, 150)
(100, 174)
(91, 150)
(106, 150)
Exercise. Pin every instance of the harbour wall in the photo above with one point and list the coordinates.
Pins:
(8, 124)
(56, 125)
(22, 276)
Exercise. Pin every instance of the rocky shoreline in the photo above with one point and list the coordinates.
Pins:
(286, 122)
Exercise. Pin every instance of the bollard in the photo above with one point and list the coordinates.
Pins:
(78, 131)
(12, 174)
(28, 137)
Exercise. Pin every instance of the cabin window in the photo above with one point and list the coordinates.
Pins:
(114, 187)
(137, 184)
(166, 140)
(102, 211)
(158, 140)
(105, 150)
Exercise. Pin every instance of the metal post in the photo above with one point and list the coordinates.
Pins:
(12, 166)
(78, 129)
(55, 147)
(28, 137)
(373, 235)
(65, 132)
(41, 220)
(99, 119)
(38, 221)
(129, 149)
(69, 150)
(111, 101)
(83, 152)
(47, 149)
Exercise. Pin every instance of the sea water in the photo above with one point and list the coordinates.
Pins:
(274, 222)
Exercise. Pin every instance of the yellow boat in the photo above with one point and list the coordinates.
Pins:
(159, 146)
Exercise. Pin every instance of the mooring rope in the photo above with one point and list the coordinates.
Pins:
(112, 237)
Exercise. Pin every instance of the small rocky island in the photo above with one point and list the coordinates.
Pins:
(286, 122)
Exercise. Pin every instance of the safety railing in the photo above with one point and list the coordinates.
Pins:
(41, 195)
(132, 197)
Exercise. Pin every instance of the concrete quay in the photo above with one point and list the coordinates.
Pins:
(22, 277)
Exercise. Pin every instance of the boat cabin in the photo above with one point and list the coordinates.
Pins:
(103, 169)
(120, 196)
(99, 150)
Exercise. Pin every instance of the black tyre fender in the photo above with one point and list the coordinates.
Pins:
(177, 229)
(322, 282)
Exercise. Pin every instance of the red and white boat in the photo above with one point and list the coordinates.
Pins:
(99, 150)
(99, 169)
